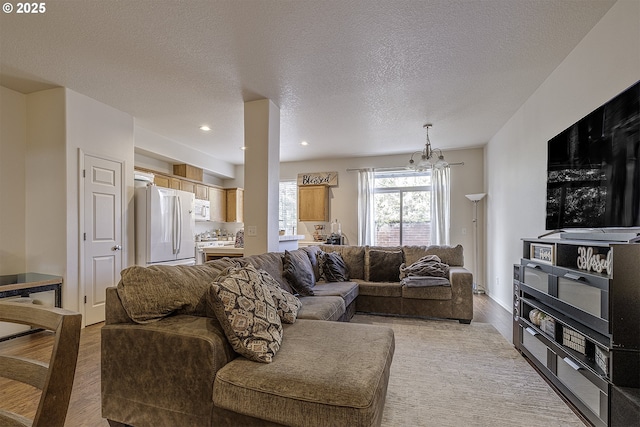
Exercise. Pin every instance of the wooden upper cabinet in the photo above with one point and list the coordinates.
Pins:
(175, 183)
(162, 181)
(202, 192)
(187, 186)
(313, 203)
(235, 205)
(218, 201)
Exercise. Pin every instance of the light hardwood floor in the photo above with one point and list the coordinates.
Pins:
(84, 409)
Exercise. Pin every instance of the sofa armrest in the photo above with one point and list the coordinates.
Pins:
(114, 311)
(461, 292)
(162, 372)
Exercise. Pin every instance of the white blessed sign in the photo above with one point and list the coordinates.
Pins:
(318, 178)
(590, 261)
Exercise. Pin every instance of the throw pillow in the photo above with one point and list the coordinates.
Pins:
(287, 305)
(384, 266)
(299, 272)
(334, 268)
(245, 308)
(429, 265)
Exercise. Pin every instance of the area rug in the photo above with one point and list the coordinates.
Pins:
(447, 374)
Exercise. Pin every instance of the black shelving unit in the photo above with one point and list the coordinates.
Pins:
(576, 317)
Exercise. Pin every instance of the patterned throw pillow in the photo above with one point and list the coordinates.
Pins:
(299, 272)
(243, 305)
(334, 269)
(287, 305)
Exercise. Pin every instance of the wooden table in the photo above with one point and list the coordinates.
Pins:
(25, 284)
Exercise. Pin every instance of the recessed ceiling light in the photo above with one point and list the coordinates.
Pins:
(243, 148)
(305, 143)
(205, 128)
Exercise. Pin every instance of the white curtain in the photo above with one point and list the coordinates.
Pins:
(440, 195)
(366, 215)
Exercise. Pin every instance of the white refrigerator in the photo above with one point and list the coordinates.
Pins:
(165, 226)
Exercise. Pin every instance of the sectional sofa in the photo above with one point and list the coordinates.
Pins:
(167, 359)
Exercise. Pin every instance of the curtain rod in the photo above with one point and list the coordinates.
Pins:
(393, 168)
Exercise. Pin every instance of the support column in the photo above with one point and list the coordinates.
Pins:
(261, 176)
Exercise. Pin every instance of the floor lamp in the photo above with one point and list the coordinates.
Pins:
(475, 198)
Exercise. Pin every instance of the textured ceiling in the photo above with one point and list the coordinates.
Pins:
(351, 77)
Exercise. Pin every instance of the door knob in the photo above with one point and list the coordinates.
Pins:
(116, 248)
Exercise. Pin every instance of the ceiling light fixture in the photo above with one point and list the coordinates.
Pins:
(243, 148)
(305, 143)
(205, 128)
(429, 157)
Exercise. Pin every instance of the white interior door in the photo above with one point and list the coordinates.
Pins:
(102, 233)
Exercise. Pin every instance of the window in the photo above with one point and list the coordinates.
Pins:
(402, 201)
(288, 210)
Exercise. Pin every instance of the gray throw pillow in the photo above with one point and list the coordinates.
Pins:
(384, 266)
(299, 272)
(247, 313)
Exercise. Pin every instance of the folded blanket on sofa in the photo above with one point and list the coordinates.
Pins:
(429, 265)
(423, 281)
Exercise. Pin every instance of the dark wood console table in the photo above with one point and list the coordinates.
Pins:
(24, 284)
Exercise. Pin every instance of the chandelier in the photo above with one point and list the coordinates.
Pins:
(429, 157)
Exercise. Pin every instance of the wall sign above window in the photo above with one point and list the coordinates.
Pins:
(318, 178)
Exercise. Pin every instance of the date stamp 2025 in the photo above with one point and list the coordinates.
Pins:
(25, 8)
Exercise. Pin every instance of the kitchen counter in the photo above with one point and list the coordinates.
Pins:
(289, 242)
(215, 252)
(289, 237)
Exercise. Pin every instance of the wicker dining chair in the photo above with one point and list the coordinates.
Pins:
(55, 378)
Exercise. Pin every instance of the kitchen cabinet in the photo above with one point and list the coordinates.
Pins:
(202, 192)
(218, 201)
(235, 205)
(313, 203)
(188, 171)
(162, 181)
(175, 183)
(187, 186)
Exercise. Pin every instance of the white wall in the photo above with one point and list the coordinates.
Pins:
(13, 139)
(343, 204)
(46, 164)
(147, 141)
(100, 130)
(604, 63)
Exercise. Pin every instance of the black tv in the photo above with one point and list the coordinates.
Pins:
(593, 168)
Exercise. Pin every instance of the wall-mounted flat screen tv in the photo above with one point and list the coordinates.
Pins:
(593, 168)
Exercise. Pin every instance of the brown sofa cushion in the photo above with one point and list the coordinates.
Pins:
(149, 294)
(298, 272)
(322, 308)
(384, 266)
(348, 291)
(287, 304)
(379, 289)
(243, 305)
(306, 385)
(451, 255)
(271, 262)
(427, 292)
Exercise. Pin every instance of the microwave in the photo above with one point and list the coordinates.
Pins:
(203, 210)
